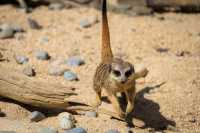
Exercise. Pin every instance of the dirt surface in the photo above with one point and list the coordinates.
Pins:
(171, 93)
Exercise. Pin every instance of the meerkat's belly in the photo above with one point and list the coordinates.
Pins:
(118, 87)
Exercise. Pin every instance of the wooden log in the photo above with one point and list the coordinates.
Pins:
(19, 87)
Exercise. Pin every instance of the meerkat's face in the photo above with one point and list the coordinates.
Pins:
(121, 70)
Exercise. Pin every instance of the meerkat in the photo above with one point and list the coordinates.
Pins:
(114, 74)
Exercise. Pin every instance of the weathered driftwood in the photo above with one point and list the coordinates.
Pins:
(21, 88)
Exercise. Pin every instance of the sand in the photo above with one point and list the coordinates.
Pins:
(171, 93)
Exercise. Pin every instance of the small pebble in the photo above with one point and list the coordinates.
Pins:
(36, 116)
(48, 130)
(112, 131)
(34, 24)
(75, 61)
(66, 115)
(42, 55)
(162, 50)
(66, 120)
(91, 114)
(84, 23)
(56, 6)
(6, 31)
(76, 130)
(29, 71)
(21, 59)
(70, 76)
(57, 70)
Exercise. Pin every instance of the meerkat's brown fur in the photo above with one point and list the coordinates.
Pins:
(114, 74)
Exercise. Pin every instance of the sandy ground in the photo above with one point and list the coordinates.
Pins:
(171, 94)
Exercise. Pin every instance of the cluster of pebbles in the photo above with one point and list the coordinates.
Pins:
(57, 67)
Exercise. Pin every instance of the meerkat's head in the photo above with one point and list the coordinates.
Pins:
(121, 71)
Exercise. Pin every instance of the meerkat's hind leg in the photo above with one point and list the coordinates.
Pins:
(97, 90)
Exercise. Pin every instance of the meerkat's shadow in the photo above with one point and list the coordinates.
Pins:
(148, 111)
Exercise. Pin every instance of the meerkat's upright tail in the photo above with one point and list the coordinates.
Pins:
(106, 52)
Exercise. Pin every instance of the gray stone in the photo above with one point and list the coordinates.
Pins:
(29, 71)
(42, 55)
(57, 70)
(76, 130)
(6, 31)
(36, 116)
(57, 6)
(85, 23)
(91, 114)
(48, 130)
(112, 131)
(21, 59)
(70, 76)
(75, 61)
(66, 120)
(34, 24)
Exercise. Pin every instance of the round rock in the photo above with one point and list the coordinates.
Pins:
(70, 76)
(36, 116)
(21, 59)
(29, 71)
(48, 130)
(42, 55)
(84, 23)
(91, 114)
(76, 130)
(75, 61)
(112, 131)
(66, 120)
(6, 31)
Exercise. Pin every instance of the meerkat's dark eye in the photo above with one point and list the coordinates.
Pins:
(128, 73)
(117, 73)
